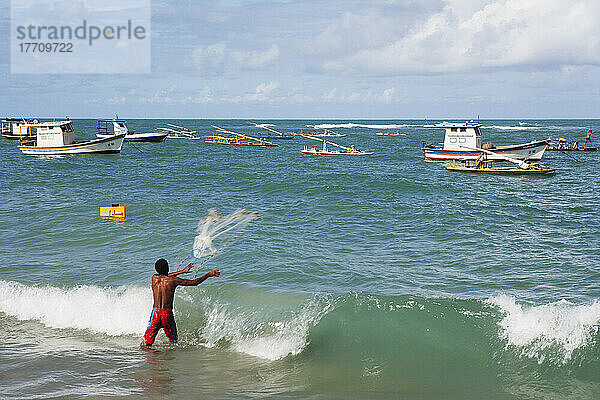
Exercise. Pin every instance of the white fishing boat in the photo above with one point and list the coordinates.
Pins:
(57, 138)
(12, 128)
(327, 151)
(387, 134)
(120, 127)
(325, 133)
(460, 136)
(329, 133)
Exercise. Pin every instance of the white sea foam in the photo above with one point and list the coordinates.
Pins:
(368, 126)
(254, 330)
(515, 128)
(535, 329)
(251, 332)
(113, 311)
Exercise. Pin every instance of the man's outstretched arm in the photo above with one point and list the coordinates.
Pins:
(188, 268)
(195, 282)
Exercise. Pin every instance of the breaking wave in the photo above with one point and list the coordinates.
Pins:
(368, 126)
(273, 325)
(555, 331)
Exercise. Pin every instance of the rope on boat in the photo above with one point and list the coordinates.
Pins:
(135, 147)
(568, 155)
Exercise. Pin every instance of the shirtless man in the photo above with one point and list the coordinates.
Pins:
(163, 290)
(588, 137)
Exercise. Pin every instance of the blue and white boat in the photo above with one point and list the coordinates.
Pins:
(120, 127)
(463, 141)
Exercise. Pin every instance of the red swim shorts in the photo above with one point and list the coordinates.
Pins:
(161, 318)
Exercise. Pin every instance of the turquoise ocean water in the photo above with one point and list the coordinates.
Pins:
(376, 277)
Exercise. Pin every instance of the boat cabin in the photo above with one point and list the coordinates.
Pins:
(461, 136)
(119, 126)
(51, 134)
(14, 127)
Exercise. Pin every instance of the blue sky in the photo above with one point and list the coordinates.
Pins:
(378, 59)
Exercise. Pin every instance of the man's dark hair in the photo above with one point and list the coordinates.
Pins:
(162, 266)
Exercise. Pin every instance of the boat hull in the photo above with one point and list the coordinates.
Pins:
(500, 171)
(336, 153)
(532, 151)
(112, 144)
(276, 137)
(550, 148)
(11, 136)
(140, 137)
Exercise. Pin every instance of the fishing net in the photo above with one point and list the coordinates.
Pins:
(216, 231)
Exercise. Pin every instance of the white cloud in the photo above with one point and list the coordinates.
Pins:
(218, 58)
(261, 93)
(364, 96)
(204, 96)
(159, 97)
(209, 59)
(353, 32)
(116, 100)
(479, 35)
(255, 59)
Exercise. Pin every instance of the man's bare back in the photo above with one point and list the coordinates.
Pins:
(163, 290)
(163, 286)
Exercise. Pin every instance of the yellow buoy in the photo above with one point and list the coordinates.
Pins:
(114, 211)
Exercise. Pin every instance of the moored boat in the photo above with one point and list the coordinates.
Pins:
(485, 165)
(562, 145)
(326, 151)
(11, 128)
(236, 139)
(57, 138)
(120, 127)
(489, 167)
(277, 135)
(463, 141)
(325, 133)
(387, 134)
(179, 132)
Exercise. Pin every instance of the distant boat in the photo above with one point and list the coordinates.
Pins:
(459, 136)
(326, 151)
(562, 145)
(57, 138)
(328, 133)
(120, 127)
(179, 132)
(11, 128)
(278, 135)
(227, 137)
(325, 133)
(387, 134)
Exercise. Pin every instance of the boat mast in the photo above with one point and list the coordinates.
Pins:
(328, 142)
(267, 128)
(243, 136)
(331, 132)
(520, 163)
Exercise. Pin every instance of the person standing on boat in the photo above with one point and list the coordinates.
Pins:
(163, 290)
(588, 137)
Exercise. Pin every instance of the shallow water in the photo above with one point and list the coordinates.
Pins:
(379, 277)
